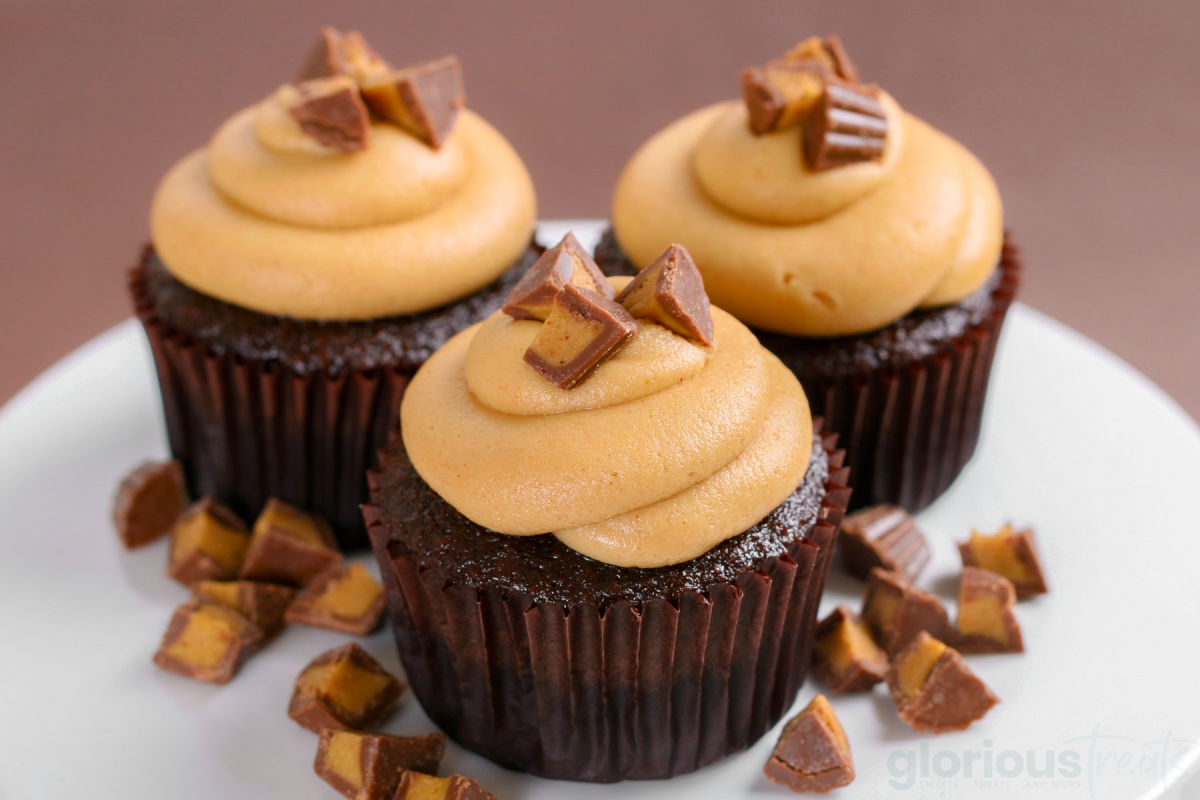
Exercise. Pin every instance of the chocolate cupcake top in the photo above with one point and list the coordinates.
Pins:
(644, 453)
(816, 206)
(361, 191)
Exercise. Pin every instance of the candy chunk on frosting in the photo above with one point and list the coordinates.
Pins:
(269, 221)
(827, 253)
(666, 450)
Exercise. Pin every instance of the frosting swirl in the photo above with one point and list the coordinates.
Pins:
(267, 219)
(826, 253)
(668, 449)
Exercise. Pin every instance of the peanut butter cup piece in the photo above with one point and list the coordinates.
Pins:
(424, 99)
(1010, 553)
(845, 656)
(896, 611)
(289, 546)
(263, 604)
(566, 262)
(813, 753)
(827, 50)
(344, 688)
(671, 292)
(337, 53)
(331, 113)
(207, 642)
(778, 95)
(987, 622)
(846, 126)
(363, 766)
(882, 536)
(934, 689)
(208, 542)
(149, 501)
(419, 786)
(343, 598)
(583, 331)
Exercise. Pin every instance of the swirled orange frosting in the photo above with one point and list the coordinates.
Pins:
(668, 449)
(813, 253)
(267, 219)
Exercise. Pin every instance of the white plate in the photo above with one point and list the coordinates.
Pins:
(1076, 443)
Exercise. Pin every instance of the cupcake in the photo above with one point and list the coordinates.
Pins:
(865, 249)
(605, 527)
(309, 258)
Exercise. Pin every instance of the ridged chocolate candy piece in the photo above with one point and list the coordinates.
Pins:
(346, 599)
(423, 99)
(1010, 553)
(208, 542)
(345, 689)
(986, 620)
(883, 536)
(207, 642)
(418, 786)
(289, 546)
(584, 330)
(364, 766)
(331, 113)
(845, 656)
(337, 53)
(149, 501)
(671, 292)
(263, 604)
(934, 689)
(813, 753)
(566, 262)
(896, 611)
(847, 125)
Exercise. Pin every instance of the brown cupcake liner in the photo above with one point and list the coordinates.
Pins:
(247, 431)
(910, 428)
(605, 693)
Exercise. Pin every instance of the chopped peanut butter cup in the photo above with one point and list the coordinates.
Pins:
(847, 125)
(337, 53)
(846, 658)
(263, 604)
(987, 622)
(343, 598)
(207, 642)
(1010, 553)
(418, 786)
(208, 542)
(671, 292)
(332, 113)
(424, 99)
(882, 536)
(149, 501)
(363, 766)
(813, 753)
(896, 611)
(289, 546)
(566, 262)
(584, 330)
(934, 689)
(344, 688)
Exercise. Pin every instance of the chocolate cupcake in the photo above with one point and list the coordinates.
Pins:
(307, 260)
(865, 248)
(619, 579)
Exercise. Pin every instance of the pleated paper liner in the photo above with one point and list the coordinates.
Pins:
(246, 431)
(909, 428)
(591, 693)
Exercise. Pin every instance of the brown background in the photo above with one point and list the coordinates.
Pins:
(1085, 110)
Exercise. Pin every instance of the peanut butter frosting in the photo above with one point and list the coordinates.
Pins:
(668, 449)
(269, 219)
(813, 253)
